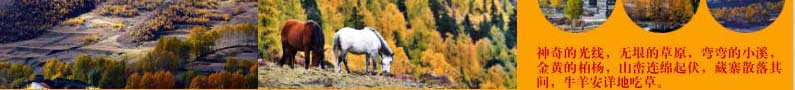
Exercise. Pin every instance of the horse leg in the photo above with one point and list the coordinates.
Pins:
(285, 57)
(308, 57)
(345, 60)
(375, 69)
(339, 61)
(367, 63)
(322, 61)
(291, 57)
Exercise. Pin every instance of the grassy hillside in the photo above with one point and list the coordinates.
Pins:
(26, 19)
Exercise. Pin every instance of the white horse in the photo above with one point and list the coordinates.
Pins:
(368, 42)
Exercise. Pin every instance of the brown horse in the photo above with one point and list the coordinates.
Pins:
(302, 36)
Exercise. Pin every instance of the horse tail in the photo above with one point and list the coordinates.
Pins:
(336, 45)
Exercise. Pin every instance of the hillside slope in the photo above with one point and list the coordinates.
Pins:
(274, 76)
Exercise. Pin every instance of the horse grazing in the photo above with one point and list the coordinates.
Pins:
(368, 42)
(302, 36)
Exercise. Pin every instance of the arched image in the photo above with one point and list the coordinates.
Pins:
(745, 15)
(661, 16)
(577, 15)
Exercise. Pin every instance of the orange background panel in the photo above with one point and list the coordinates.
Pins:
(619, 32)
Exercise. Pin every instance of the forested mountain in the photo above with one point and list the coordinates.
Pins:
(472, 43)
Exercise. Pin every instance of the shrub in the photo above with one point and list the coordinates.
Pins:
(179, 12)
(119, 10)
(75, 21)
(14, 75)
(169, 54)
(220, 80)
(157, 80)
(90, 39)
(54, 68)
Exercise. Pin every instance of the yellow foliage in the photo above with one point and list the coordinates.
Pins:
(435, 41)
(118, 10)
(391, 23)
(439, 65)
(355, 62)
(477, 5)
(75, 21)
(145, 4)
(53, 69)
(90, 39)
(400, 62)
(461, 7)
(152, 80)
(332, 18)
(421, 17)
(555, 2)
(484, 50)
(118, 26)
(494, 79)
(367, 17)
(488, 84)
(468, 56)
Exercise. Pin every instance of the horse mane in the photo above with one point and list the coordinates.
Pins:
(383, 41)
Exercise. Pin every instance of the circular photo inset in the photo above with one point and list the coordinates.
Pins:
(660, 16)
(745, 15)
(577, 16)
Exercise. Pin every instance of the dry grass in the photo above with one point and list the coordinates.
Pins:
(273, 76)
